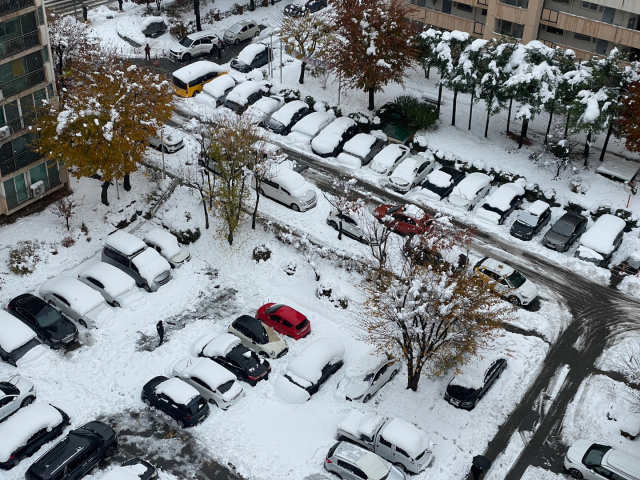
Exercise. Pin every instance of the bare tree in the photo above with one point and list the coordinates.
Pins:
(65, 208)
(264, 167)
(345, 201)
(197, 177)
(376, 235)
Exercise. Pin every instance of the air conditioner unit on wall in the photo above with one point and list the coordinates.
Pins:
(37, 189)
(1, 95)
(5, 132)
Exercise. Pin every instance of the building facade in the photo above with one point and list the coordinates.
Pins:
(588, 28)
(26, 79)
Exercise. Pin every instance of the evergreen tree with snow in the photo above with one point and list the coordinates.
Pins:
(467, 75)
(449, 52)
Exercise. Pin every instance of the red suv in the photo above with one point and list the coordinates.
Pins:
(284, 320)
(403, 219)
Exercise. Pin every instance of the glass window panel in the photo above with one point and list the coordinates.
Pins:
(34, 62)
(39, 96)
(28, 22)
(37, 173)
(40, 16)
(21, 188)
(11, 111)
(45, 53)
(10, 29)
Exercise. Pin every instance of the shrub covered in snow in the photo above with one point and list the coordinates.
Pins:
(363, 121)
(185, 237)
(67, 241)
(289, 94)
(24, 258)
(290, 268)
(333, 294)
(262, 252)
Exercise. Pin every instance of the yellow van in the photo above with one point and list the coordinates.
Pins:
(189, 80)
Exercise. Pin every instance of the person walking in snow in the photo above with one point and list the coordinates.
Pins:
(160, 329)
(147, 52)
(220, 48)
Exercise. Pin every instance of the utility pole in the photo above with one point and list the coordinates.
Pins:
(162, 148)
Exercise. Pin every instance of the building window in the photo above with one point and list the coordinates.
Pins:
(483, 12)
(464, 7)
(584, 38)
(562, 1)
(45, 53)
(40, 16)
(590, 6)
(555, 31)
(15, 191)
(632, 23)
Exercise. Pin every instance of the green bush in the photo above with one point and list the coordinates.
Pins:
(24, 258)
(185, 237)
(289, 94)
(417, 113)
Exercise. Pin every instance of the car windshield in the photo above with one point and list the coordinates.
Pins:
(248, 362)
(518, 226)
(593, 457)
(435, 188)
(46, 316)
(224, 388)
(235, 28)
(563, 228)
(528, 219)
(195, 405)
(20, 352)
(274, 124)
(274, 308)
(368, 377)
(516, 279)
(8, 389)
(186, 42)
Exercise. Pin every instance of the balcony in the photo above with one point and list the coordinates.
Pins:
(19, 161)
(19, 84)
(592, 28)
(24, 195)
(10, 6)
(441, 20)
(19, 44)
(16, 125)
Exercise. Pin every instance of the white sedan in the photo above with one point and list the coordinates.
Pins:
(387, 159)
(15, 393)
(411, 172)
(364, 378)
(166, 244)
(117, 288)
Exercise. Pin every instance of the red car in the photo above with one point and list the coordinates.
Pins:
(403, 219)
(284, 320)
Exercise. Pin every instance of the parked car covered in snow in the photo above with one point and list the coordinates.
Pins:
(501, 203)
(349, 225)
(395, 440)
(289, 188)
(298, 9)
(261, 111)
(308, 370)
(508, 281)
(215, 383)
(386, 160)
(117, 288)
(531, 221)
(215, 92)
(352, 462)
(227, 350)
(25, 432)
(134, 469)
(285, 320)
(131, 255)
(565, 232)
(243, 96)
(190, 80)
(365, 377)
(153, 27)
(306, 129)
(177, 399)
(15, 392)
(252, 56)
(166, 244)
(406, 219)
(257, 336)
(470, 190)
(360, 150)
(594, 461)
(78, 301)
(285, 118)
(241, 30)
(92, 443)
(51, 327)
(601, 240)
(440, 183)
(465, 390)
(167, 139)
(332, 137)
(19, 345)
(411, 172)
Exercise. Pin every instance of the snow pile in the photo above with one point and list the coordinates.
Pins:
(286, 113)
(602, 234)
(130, 28)
(165, 240)
(13, 333)
(221, 345)
(439, 179)
(129, 472)
(502, 197)
(309, 126)
(469, 187)
(308, 365)
(177, 390)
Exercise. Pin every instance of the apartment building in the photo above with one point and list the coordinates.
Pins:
(26, 79)
(588, 28)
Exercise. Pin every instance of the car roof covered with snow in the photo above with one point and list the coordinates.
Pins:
(313, 123)
(150, 264)
(16, 430)
(197, 69)
(602, 234)
(503, 195)
(125, 242)
(213, 345)
(309, 363)
(180, 392)
(360, 145)
(250, 52)
(205, 369)
(406, 169)
(471, 185)
(370, 463)
(290, 180)
(286, 113)
(531, 215)
(331, 135)
(219, 85)
(472, 373)
(389, 154)
(266, 105)
(165, 240)
(81, 297)
(115, 281)
(241, 93)
(440, 178)
(406, 436)
(359, 423)
(498, 267)
(14, 333)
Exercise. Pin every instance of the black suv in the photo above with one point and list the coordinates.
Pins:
(186, 411)
(243, 363)
(50, 325)
(76, 454)
(465, 397)
(441, 191)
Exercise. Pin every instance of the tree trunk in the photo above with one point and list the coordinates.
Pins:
(523, 131)
(427, 71)
(255, 209)
(455, 103)
(196, 10)
(302, 69)
(470, 112)
(486, 126)
(412, 381)
(371, 95)
(546, 135)
(60, 50)
(104, 198)
(606, 141)
(439, 99)
(126, 184)
(204, 207)
(526, 128)
(509, 117)
(566, 125)
(587, 145)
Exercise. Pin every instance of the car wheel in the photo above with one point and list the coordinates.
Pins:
(82, 323)
(333, 224)
(180, 423)
(515, 301)
(186, 57)
(115, 304)
(236, 41)
(110, 451)
(146, 288)
(213, 402)
(575, 473)
(256, 34)
(27, 401)
(147, 402)
(366, 398)
(295, 207)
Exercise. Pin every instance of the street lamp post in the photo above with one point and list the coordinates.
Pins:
(75, 12)
(271, 55)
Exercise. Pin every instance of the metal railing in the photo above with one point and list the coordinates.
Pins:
(19, 44)
(16, 163)
(8, 6)
(22, 83)
(24, 194)
(16, 125)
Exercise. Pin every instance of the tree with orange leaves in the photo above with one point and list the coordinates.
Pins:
(630, 120)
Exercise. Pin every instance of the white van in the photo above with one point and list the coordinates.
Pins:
(288, 187)
(600, 462)
(601, 240)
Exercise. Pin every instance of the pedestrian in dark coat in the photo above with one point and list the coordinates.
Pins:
(147, 52)
(160, 329)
